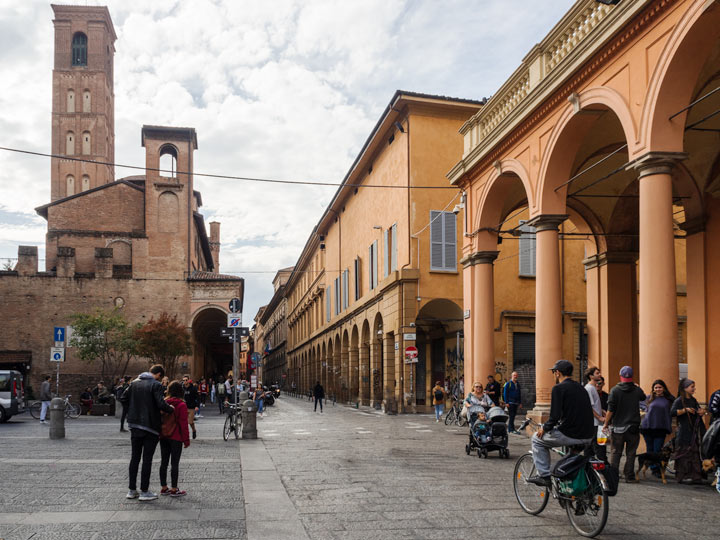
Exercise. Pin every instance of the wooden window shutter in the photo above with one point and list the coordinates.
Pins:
(526, 249)
(450, 241)
(436, 240)
(394, 246)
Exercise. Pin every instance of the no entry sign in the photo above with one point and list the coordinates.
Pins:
(411, 355)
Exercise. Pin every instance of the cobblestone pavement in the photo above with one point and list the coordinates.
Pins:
(343, 474)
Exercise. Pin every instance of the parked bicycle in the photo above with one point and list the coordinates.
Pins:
(583, 494)
(453, 415)
(233, 422)
(72, 410)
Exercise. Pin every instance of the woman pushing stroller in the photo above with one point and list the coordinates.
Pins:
(477, 401)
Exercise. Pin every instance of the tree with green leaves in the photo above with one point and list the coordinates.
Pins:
(104, 337)
(164, 340)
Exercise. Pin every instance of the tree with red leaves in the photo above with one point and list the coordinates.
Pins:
(164, 340)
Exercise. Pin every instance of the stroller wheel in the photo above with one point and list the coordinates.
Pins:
(485, 453)
(467, 449)
(479, 453)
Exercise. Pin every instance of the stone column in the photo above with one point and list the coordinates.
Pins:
(388, 383)
(592, 295)
(364, 375)
(697, 346)
(483, 315)
(375, 372)
(657, 307)
(344, 374)
(548, 316)
(354, 370)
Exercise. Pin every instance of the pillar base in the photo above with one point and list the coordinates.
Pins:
(539, 414)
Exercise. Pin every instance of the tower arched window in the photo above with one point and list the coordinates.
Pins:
(70, 185)
(70, 143)
(168, 161)
(79, 49)
(71, 101)
(86, 143)
(86, 101)
(85, 182)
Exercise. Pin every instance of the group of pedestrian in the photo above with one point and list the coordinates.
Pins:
(156, 413)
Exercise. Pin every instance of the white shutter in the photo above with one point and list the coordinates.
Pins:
(386, 253)
(526, 248)
(436, 240)
(370, 267)
(375, 264)
(345, 287)
(394, 247)
(450, 239)
(327, 303)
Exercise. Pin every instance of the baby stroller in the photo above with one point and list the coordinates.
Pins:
(489, 435)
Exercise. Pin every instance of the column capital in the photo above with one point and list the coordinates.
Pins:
(547, 222)
(656, 163)
(479, 257)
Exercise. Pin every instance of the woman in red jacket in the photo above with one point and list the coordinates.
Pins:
(171, 445)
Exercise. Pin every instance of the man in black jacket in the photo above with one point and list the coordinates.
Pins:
(319, 395)
(144, 401)
(570, 422)
(192, 400)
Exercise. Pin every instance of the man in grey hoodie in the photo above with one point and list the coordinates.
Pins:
(45, 398)
(144, 400)
(624, 415)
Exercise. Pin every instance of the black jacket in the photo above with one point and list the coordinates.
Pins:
(624, 403)
(571, 411)
(144, 400)
(319, 391)
(191, 396)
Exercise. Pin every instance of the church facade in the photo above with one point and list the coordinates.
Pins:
(138, 244)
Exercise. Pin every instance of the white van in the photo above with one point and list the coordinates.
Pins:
(12, 394)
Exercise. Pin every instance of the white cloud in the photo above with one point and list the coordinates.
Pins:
(286, 89)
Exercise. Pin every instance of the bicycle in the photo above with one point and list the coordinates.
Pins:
(453, 415)
(72, 410)
(587, 509)
(233, 422)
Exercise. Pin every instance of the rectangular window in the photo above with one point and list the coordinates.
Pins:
(327, 304)
(373, 266)
(337, 295)
(358, 278)
(394, 248)
(345, 289)
(386, 252)
(443, 241)
(526, 249)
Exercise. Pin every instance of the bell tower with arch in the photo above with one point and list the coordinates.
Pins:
(83, 102)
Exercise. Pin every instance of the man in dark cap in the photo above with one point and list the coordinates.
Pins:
(624, 416)
(570, 422)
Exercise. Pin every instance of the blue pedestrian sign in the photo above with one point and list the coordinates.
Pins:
(255, 357)
(57, 354)
(59, 334)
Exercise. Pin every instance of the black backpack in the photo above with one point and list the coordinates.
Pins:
(438, 395)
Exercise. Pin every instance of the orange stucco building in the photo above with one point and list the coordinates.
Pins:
(607, 132)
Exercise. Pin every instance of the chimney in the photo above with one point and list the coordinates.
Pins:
(103, 263)
(65, 262)
(215, 244)
(27, 264)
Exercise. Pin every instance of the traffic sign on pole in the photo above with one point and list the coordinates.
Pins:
(59, 334)
(411, 355)
(234, 320)
(57, 354)
(235, 305)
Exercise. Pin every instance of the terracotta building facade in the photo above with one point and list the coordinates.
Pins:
(606, 134)
(138, 244)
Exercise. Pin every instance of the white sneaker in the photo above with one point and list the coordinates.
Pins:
(132, 494)
(148, 496)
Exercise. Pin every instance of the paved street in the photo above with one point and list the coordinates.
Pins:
(344, 474)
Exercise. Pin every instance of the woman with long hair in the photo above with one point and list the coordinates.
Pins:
(657, 422)
(689, 434)
(171, 445)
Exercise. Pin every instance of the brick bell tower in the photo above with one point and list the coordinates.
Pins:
(83, 103)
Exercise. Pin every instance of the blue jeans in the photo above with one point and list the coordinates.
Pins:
(541, 448)
(653, 443)
(259, 404)
(439, 411)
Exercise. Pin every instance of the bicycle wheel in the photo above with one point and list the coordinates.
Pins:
(450, 416)
(35, 410)
(461, 420)
(72, 410)
(228, 427)
(238, 425)
(588, 513)
(533, 499)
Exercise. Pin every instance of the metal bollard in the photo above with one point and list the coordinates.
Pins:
(249, 419)
(242, 396)
(57, 418)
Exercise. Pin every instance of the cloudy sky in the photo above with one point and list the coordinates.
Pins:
(286, 89)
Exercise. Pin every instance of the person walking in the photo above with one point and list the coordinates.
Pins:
(319, 394)
(171, 445)
(492, 389)
(221, 396)
(118, 394)
(592, 376)
(439, 397)
(203, 390)
(144, 401)
(570, 421)
(45, 398)
(213, 390)
(192, 402)
(691, 429)
(714, 405)
(657, 422)
(624, 416)
(512, 396)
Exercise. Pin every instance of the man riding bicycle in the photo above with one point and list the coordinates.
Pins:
(570, 422)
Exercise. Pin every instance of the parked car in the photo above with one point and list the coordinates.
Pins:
(12, 394)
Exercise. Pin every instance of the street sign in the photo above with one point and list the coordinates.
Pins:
(253, 380)
(411, 355)
(410, 337)
(255, 357)
(243, 331)
(235, 305)
(234, 320)
(57, 354)
(59, 334)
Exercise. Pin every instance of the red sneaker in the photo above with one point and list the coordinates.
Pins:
(177, 492)
(165, 491)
